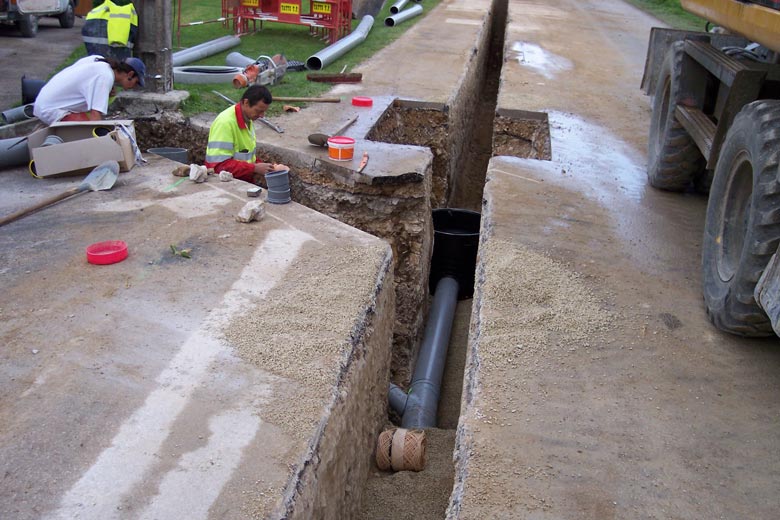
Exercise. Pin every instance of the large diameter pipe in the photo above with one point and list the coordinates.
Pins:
(204, 50)
(392, 21)
(398, 6)
(179, 55)
(331, 53)
(236, 59)
(14, 152)
(18, 114)
(422, 402)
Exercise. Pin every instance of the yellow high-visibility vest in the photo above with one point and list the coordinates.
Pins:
(120, 18)
(116, 20)
(227, 139)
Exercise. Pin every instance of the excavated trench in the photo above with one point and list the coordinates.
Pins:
(462, 135)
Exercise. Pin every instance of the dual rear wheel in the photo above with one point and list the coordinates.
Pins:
(742, 227)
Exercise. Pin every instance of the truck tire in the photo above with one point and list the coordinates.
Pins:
(68, 18)
(674, 160)
(742, 229)
(28, 25)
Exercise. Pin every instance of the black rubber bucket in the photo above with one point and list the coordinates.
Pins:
(455, 245)
(30, 89)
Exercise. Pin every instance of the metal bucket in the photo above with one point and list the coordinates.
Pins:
(174, 154)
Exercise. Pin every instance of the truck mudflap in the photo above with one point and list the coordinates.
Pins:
(767, 292)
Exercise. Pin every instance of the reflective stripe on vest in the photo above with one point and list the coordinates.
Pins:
(120, 19)
(226, 139)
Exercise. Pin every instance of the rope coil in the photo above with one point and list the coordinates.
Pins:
(400, 449)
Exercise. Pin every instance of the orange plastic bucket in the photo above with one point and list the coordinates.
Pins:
(341, 148)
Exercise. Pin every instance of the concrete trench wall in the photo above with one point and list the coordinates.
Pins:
(521, 133)
(172, 129)
(420, 124)
(445, 128)
(327, 483)
(397, 209)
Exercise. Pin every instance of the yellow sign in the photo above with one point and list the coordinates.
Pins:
(250, 3)
(320, 8)
(289, 9)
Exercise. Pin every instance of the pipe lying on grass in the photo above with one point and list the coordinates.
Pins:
(392, 21)
(203, 50)
(398, 6)
(331, 53)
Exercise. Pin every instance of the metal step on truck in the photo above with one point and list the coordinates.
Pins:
(715, 127)
(25, 13)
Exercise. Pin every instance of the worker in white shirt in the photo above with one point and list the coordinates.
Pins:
(81, 92)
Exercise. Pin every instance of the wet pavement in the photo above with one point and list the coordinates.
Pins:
(597, 388)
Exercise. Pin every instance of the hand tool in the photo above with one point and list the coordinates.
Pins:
(322, 139)
(102, 177)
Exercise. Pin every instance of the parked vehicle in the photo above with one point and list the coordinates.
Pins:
(716, 125)
(25, 13)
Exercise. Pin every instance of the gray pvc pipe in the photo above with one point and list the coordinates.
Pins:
(236, 59)
(18, 114)
(331, 53)
(397, 399)
(419, 406)
(392, 21)
(14, 152)
(182, 54)
(204, 50)
(396, 7)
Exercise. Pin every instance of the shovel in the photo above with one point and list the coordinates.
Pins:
(322, 139)
(102, 177)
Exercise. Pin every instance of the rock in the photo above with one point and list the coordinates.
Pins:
(254, 210)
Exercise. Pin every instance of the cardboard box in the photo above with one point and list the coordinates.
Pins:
(80, 151)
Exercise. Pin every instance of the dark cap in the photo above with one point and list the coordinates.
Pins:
(138, 66)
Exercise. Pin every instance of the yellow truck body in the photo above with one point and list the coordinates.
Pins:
(755, 22)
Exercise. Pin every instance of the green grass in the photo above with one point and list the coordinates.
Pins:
(671, 13)
(293, 41)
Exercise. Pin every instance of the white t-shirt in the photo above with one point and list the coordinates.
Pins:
(82, 87)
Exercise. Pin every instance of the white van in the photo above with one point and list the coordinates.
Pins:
(25, 13)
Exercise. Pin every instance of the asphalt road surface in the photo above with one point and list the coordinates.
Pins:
(33, 57)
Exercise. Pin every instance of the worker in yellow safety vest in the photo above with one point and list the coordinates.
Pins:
(111, 29)
(231, 145)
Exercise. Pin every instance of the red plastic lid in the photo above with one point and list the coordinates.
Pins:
(362, 101)
(109, 252)
(340, 139)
